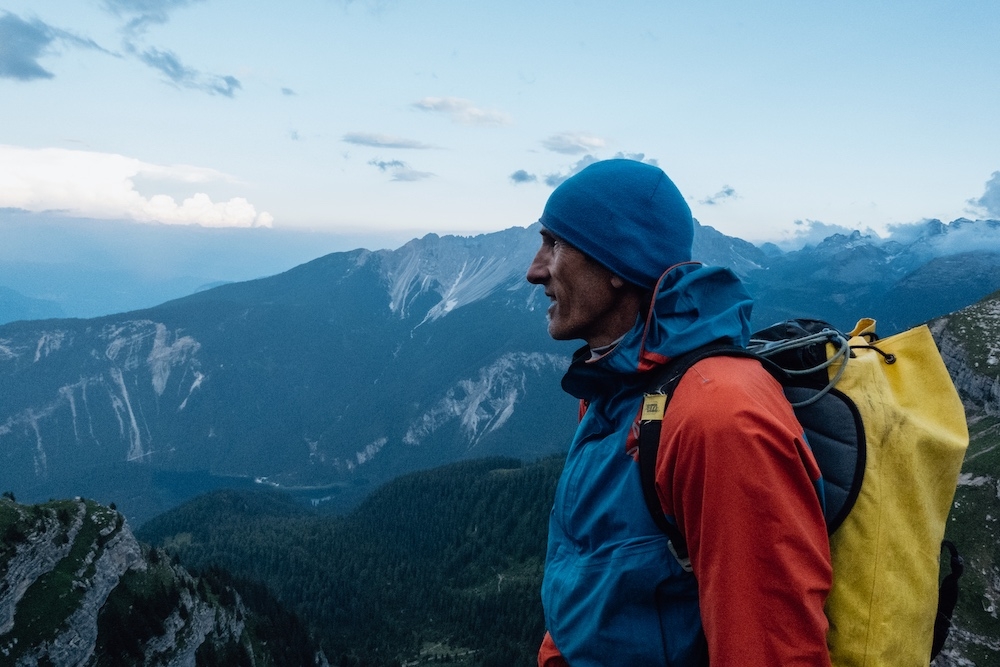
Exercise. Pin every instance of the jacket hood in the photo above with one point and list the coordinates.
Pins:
(692, 305)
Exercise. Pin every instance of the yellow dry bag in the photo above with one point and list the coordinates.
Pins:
(887, 550)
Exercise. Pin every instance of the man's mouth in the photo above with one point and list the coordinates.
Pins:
(552, 305)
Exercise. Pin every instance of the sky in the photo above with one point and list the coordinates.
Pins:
(776, 120)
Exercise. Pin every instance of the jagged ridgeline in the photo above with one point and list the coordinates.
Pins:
(438, 566)
(76, 588)
(345, 372)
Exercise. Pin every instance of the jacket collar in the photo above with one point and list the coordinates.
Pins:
(692, 305)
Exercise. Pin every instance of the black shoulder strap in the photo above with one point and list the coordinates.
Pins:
(664, 381)
(947, 597)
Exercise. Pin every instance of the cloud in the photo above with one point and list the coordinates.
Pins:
(170, 65)
(722, 195)
(100, 185)
(938, 239)
(463, 111)
(638, 157)
(400, 170)
(554, 180)
(572, 143)
(139, 16)
(930, 238)
(989, 203)
(383, 141)
(385, 166)
(408, 174)
(22, 43)
(288, 92)
(521, 176)
(813, 232)
(144, 13)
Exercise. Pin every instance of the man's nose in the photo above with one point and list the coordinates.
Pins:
(538, 271)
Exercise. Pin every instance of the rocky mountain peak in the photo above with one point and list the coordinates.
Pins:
(456, 271)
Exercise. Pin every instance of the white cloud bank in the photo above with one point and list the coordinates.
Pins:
(100, 185)
(573, 143)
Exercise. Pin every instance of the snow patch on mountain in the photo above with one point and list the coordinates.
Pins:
(124, 352)
(483, 404)
(474, 281)
(48, 343)
(29, 419)
(126, 341)
(33, 419)
(7, 353)
(368, 453)
(458, 270)
(198, 378)
(165, 356)
(122, 405)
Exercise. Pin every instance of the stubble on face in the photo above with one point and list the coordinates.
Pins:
(589, 302)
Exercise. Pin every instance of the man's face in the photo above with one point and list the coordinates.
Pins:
(584, 294)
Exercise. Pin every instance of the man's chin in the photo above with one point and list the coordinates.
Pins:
(558, 333)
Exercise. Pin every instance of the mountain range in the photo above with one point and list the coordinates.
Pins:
(354, 368)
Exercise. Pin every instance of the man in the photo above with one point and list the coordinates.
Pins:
(733, 472)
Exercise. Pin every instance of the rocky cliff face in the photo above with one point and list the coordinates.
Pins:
(77, 588)
(969, 341)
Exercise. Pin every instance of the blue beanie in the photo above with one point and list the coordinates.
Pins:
(626, 215)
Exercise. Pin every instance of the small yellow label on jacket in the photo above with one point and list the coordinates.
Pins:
(653, 406)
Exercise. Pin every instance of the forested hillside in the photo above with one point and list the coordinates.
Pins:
(440, 565)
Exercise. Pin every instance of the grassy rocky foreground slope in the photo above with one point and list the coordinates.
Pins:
(76, 588)
(970, 342)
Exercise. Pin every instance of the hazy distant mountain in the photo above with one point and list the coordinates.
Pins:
(86, 268)
(16, 306)
(359, 366)
(932, 270)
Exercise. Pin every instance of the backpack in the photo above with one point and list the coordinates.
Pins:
(888, 430)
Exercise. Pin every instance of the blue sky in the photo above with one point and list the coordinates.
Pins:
(458, 117)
